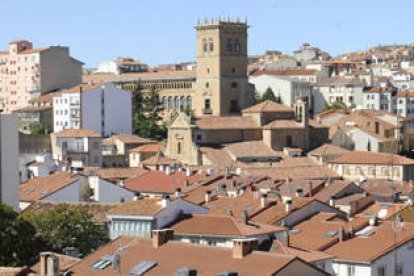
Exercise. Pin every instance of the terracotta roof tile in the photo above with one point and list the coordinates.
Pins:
(113, 174)
(149, 148)
(328, 149)
(43, 186)
(268, 107)
(230, 122)
(283, 124)
(77, 133)
(289, 72)
(141, 207)
(367, 157)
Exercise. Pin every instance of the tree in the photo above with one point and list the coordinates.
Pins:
(40, 129)
(335, 105)
(66, 226)
(147, 119)
(18, 243)
(269, 95)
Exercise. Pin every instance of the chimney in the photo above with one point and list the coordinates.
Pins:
(310, 189)
(286, 240)
(122, 183)
(165, 200)
(177, 192)
(351, 231)
(188, 172)
(299, 192)
(162, 236)
(243, 247)
(161, 168)
(341, 233)
(49, 264)
(373, 221)
(332, 201)
(263, 201)
(245, 217)
(288, 205)
(137, 196)
(186, 183)
(207, 196)
(168, 170)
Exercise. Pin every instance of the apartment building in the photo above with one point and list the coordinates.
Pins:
(287, 88)
(9, 175)
(103, 108)
(26, 73)
(77, 147)
(390, 99)
(122, 66)
(338, 89)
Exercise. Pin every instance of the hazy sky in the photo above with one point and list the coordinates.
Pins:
(161, 31)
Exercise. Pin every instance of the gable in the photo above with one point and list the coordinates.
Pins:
(181, 121)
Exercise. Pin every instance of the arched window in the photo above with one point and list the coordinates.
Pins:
(237, 45)
(165, 103)
(207, 85)
(176, 102)
(211, 45)
(229, 45)
(189, 102)
(170, 102)
(182, 103)
(205, 45)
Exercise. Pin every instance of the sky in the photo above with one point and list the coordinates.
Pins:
(161, 31)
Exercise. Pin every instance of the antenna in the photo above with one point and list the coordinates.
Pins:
(116, 258)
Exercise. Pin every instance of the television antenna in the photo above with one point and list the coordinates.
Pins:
(116, 258)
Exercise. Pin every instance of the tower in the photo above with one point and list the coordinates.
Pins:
(301, 109)
(222, 86)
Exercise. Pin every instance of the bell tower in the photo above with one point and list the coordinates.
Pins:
(222, 86)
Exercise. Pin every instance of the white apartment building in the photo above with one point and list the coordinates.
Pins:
(400, 102)
(105, 109)
(26, 73)
(9, 175)
(285, 87)
(122, 66)
(338, 89)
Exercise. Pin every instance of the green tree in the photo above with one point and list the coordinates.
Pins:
(18, 243)
(40, 129)
(66, 226)
(147, 119)
(268, 95)
(335, 105)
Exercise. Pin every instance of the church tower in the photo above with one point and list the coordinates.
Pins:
(222, 86)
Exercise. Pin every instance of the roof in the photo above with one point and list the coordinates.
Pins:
(114, 174)
(97, 210)
(321, 231)
(207, 260)
(77, 133)
(339, 80)
(369, 157)
(379, 89)
(160, 182)
(382, 189)
(132, 139)
(277, 212)
(379, 243)
(150, 76)
(65, 262)
(229, 122)
(158, 159)
(218, 157)
(149, 148)
(251, 149)
(267, 107)
(405, 93)
(283, 124)
(289, 72)
(335, 187)
(48, 97)
(328, 149)
(141, 207)
(309, 256)
(43, 186)
(84, 87)
(222, 225)
(30, 108)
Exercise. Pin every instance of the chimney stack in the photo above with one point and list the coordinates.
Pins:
(188, 172)
(245, 217)
(161, 168)
(288, 205)
(165, 200)
(299, 192)
(341, 233)
(263, 201)
(168, 170)
(162, 236)
(178, 192)
(310, 189)
(332, 201)
(49, 264)
(351, 231)
(243, 247)
(207, 196)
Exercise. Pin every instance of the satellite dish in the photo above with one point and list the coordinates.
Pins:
(382, 214)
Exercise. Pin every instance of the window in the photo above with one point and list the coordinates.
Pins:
(233, 70)
(234, 84)
(381, 271)
(182, 103)
(237, 45)
(211, 45)
(189, 103)
(207, 104)
(178, 147)
(234, 106)
(229, 45)
(351, 270)
(207, 85)
(399, 269)
(205, 46)
(289, 141)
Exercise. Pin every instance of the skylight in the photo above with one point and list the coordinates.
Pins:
(103, 262)
(142, 267)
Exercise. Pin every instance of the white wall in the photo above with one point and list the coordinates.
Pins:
(9, 164)
(69, 193)
(169, 214)
(108, 192)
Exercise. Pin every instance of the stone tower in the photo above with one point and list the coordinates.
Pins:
(222, 86)
(301, 109)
